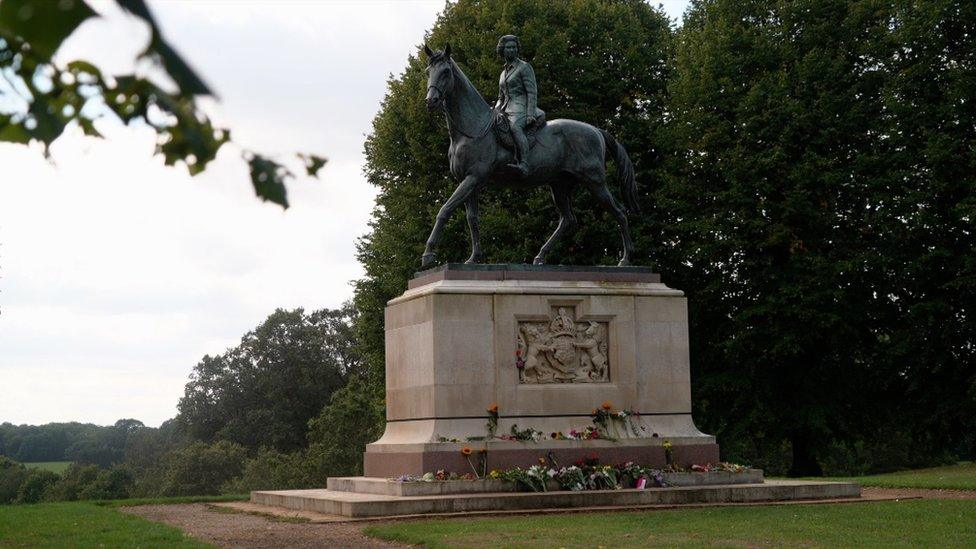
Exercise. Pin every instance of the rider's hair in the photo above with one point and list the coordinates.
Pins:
(500, 48)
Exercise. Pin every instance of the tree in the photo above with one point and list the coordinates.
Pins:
(818, 222)
(37, 482)
(264, 391)
(337, 438)
(600, 62)
(49, 96)
(200, 469)
(805, 173)
(12, 475)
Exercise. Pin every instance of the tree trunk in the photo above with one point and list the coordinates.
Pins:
(804, 461)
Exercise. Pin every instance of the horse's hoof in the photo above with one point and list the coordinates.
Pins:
(539, 260)
(427, 260)
(624, 263)
(475, 258)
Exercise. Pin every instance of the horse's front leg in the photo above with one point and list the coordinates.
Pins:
(471, 212)
(461, 194)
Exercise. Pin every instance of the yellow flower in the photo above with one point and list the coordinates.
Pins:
(466, 451)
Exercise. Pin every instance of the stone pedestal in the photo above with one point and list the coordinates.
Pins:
(583, 336)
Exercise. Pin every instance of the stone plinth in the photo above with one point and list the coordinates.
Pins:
(365, 504)
(583, 336)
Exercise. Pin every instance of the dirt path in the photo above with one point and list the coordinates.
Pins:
(231, 529)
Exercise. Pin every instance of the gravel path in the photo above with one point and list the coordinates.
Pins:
(229, 529)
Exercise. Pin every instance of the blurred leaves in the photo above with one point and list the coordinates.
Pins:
(312, 163)
(51, 97)
(178, 69)
(42, 24)
(268, 178)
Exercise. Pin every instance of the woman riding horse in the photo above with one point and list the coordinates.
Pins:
(568, 153)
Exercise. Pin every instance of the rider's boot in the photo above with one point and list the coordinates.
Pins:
(521, 150)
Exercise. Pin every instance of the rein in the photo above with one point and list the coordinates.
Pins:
(450, 122)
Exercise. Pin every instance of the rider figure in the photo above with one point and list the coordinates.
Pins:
(517, 97)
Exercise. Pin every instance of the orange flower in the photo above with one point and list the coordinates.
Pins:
(607, 405)
(466, 451)
(493, 409)
(542, 461)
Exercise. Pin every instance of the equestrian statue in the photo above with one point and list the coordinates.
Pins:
(512, 144)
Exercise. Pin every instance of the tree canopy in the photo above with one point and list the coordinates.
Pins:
(264, 391)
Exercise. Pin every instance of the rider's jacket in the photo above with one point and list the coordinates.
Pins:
(518, 92)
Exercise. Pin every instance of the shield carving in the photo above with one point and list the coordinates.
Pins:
(564, 356)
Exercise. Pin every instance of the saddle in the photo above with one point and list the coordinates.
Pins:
(503, 129)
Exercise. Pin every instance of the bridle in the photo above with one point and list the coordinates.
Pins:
(443, 98)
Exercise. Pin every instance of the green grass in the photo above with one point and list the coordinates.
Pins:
(53, 466)
(961, 476)
(79, 524)
(897, 523)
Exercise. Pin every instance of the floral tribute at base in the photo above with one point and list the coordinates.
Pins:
(586, 474)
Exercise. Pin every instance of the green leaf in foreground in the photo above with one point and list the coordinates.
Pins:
(42, 24)
(313, 163)
(268, 178)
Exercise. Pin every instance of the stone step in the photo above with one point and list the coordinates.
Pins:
(390, 487)
(356, 504)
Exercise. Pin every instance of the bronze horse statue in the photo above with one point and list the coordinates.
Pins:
(566, 153)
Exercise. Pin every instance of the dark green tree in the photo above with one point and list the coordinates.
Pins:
(337, 438)
(264, 391)
(200, 468)
(818, 212)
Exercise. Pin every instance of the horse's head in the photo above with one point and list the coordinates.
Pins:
(440, 76)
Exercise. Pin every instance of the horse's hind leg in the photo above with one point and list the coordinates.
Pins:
(602, 194)
(471, 212)
(563, 197)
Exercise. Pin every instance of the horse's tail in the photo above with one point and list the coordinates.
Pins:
(625, 171)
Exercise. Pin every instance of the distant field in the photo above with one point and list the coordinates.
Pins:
(961, 476)
(53, 466)
(79, 524)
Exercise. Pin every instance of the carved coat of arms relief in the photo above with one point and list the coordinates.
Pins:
(563, 349)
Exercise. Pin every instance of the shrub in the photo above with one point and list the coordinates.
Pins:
(35, 484)
(201, 469)
(12, 475)
(273, 470)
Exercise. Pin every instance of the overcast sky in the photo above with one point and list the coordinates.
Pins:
(117, 273)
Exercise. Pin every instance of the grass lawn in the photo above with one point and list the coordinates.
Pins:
(79, 524)
(53, 466)
(898, 523)
(961, 476)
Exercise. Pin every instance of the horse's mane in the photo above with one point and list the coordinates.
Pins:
(471, 112)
